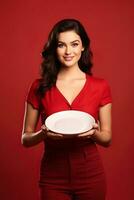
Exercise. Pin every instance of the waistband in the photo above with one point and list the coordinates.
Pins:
(67, 144)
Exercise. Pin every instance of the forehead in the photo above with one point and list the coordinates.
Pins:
(68, 36)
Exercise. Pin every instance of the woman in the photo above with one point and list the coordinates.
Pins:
(71, 168)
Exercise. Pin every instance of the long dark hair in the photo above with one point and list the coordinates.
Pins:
(50, 65)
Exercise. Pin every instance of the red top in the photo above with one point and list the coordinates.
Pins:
(94, 94)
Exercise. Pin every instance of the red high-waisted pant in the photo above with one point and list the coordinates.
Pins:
(72, 173)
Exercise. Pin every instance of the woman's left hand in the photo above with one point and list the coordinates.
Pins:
(89, 133)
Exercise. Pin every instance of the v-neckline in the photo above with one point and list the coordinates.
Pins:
(78, 95)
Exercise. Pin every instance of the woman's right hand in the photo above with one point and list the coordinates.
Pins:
(50, 134)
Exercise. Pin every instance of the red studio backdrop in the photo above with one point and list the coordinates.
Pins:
(24, 30)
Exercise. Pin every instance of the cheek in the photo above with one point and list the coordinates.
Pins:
(59, 55)
(60, 52)
(78, 52)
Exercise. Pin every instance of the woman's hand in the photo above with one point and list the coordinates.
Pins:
(89, 133)
(101, 132)
(50, 134)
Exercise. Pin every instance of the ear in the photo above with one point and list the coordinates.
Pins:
(83, 49)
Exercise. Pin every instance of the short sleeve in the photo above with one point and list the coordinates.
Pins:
(106, 96)
(32, 96)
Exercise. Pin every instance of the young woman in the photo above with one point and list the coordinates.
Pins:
(71, 167)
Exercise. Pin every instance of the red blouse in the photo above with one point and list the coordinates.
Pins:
(94, 94)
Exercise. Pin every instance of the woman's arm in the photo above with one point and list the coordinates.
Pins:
(29, 136)
(102, 134)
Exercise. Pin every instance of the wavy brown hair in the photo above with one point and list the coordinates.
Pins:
(50, 65)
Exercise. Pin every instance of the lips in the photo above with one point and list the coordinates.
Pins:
(68, 58)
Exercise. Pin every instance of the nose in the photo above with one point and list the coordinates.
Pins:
(68, 50)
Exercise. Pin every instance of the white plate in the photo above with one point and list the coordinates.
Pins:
(70, 122)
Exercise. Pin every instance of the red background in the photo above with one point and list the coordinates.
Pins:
(24, 29)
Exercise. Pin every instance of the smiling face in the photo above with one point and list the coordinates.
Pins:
(69, 48)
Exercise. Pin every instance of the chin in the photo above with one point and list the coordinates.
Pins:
(65, 65)
(71, 64)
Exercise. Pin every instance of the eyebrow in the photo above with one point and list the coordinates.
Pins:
(70, 42)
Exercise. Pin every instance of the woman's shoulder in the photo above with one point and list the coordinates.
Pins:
(98, 82)
(35, 83)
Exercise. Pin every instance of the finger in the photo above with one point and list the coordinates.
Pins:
(50, 133)
(44, 128)
(55, 134)
(96, 126)
(89, 133)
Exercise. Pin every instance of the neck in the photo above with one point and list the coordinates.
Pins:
(69, 73)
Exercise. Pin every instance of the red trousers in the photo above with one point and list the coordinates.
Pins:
(73, 173)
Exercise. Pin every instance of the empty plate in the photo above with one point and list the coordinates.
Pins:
(70, 122)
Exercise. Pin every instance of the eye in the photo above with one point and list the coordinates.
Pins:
(60, 45)
(75, 44)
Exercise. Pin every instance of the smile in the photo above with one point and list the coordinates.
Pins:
(68, 58)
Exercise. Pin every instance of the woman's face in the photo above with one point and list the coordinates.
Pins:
(69, 48)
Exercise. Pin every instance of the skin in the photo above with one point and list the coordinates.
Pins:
(70, 81)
